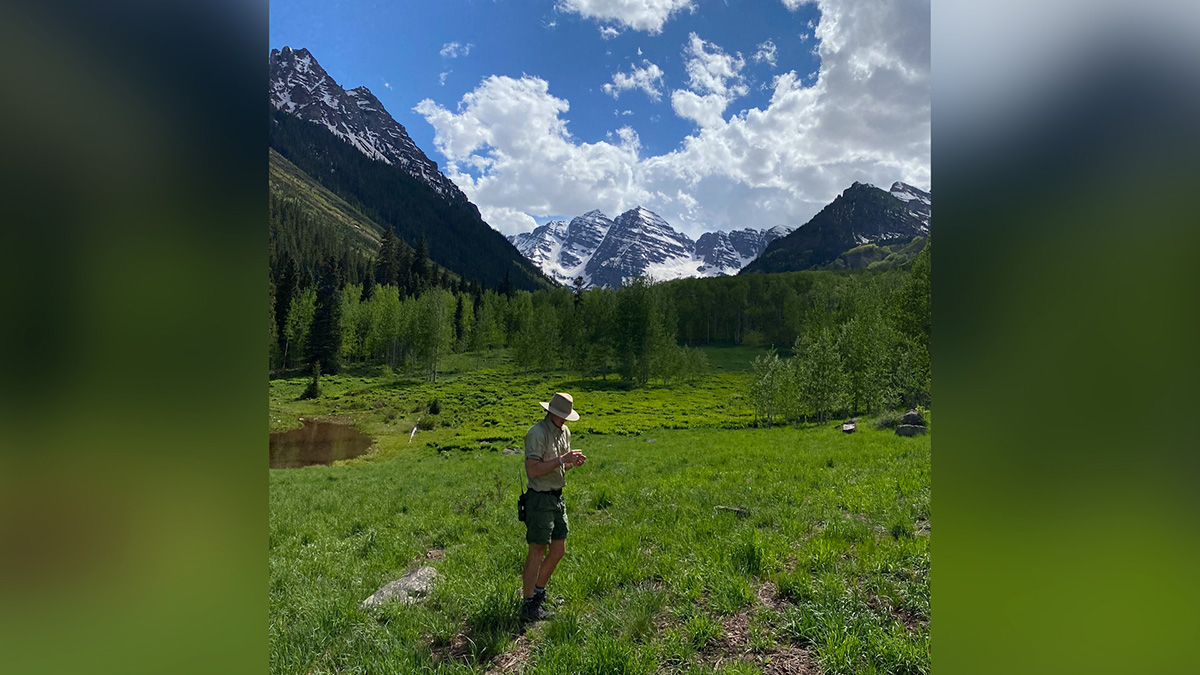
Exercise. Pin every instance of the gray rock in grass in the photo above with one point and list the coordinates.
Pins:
(913, 416)
(408, 589)
(910, 430)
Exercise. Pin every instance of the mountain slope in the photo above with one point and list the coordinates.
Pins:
(299, 86)
(862, 214)
(375, 181)
(289, 182)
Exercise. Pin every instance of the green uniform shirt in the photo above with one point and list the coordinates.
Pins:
(545, 441)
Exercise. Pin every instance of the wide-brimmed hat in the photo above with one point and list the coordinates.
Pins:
(563, 406)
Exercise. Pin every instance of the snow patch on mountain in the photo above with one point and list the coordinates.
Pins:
(299, 86)
(639, 242)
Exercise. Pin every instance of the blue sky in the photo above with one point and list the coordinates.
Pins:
(547, 109)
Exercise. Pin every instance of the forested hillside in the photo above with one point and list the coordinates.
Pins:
(457, 237)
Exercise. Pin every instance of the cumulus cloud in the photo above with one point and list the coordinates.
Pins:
(715, 78)
(864, 118)
(453, 50)
(608, 32)
(644, 15)
(766, 53)
(512, 133)
(648, 78)
(711, 70)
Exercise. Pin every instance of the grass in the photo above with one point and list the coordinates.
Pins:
(831, 562)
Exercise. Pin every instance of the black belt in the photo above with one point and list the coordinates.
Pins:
(556, 493)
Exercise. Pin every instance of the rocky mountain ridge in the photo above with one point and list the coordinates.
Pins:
(639, 242)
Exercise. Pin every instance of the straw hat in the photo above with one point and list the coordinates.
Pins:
(563, 406)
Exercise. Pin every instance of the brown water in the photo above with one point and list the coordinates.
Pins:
(316, 443)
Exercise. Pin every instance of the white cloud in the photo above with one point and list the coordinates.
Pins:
(442, 78)
(608, 32)
(766, 53)
(793, 5)
(865, 118)
(387, 85)
(647, 78)
(711, 70)
(715, 79)
(644, 15)
(453, 50)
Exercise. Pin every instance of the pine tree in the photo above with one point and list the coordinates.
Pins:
(286, 290)
(368, 289)
(420, 266)
(325, 340)
(506, 286)
(385, 264)
(460, 328)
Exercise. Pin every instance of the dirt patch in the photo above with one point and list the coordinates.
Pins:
(911, 620)
(736, 633)
(922, 528)
(458, 649)
(513, 660)
(768, 596)
(435, 554)
(789, 661)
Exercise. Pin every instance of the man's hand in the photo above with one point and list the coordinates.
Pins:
(574, 458)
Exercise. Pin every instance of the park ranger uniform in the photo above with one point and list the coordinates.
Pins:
(545, 510)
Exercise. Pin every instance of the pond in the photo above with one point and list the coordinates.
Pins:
(316, 443)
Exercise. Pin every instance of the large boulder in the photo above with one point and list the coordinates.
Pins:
(913, 416)
(410, 588)
(910, 430)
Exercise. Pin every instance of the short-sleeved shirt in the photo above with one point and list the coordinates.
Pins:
(546, 441)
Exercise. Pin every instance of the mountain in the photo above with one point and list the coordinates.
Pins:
(301, 87)
(639, 242)
(861, 226)
(918, 201)
(346, 142)
(339, 218)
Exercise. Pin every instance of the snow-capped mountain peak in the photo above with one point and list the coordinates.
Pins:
(300, 86)
(916, 200)
(639, 242)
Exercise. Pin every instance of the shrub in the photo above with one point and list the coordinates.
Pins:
(314, 385)
(435, 407)
(889, 420)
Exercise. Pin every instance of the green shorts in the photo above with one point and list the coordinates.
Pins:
(545, 518)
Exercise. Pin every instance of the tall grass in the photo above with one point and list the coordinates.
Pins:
(652, 571)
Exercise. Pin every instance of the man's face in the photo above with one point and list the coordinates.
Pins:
(558, 421)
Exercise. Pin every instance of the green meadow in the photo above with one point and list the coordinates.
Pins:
(822, 567)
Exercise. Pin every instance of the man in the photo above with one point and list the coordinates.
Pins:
(548, 457)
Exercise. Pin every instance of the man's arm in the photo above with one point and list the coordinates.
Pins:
(538, 467)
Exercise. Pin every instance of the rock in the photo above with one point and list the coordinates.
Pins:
(412, 587)
(913, 416)
(849, 427)
(510, 451)
(910, 430)
(736, 510)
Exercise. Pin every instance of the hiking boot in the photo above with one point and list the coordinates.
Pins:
(533, 611)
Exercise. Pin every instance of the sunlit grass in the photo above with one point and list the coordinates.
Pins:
(653, 571)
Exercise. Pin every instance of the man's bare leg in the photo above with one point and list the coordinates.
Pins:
(558, 548)
(533, 561)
